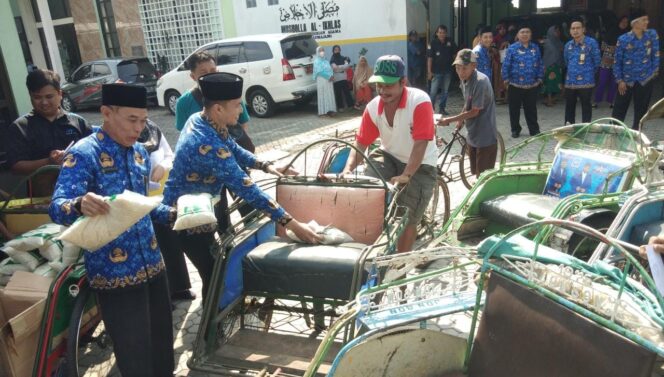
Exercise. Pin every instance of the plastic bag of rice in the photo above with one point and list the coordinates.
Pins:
(195, 210)
(61, 251)
(8, 267)
(57, 266)
(41, 237)
(45, 270)
(126, 209)
(330, 235)
(30, 259)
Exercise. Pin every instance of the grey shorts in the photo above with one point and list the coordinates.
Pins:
(417, 193)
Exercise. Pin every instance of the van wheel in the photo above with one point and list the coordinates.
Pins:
(261, 103)
(68, 104)
(171, 100)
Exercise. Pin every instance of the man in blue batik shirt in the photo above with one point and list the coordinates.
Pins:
(636, 65)
(128, 273)
(582, 58)
(207, 158)
(523, 73)
(482, 50)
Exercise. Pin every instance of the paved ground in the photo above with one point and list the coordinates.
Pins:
(287, 132)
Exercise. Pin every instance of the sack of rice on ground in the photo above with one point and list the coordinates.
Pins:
(195, 210)
(30, 259)
(7, 269)
(126, 209)
(40, 237)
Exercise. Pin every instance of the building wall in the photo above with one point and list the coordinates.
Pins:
(128, 23)
(377, 26)
(88, 30)
(88, 33)
(16, 68)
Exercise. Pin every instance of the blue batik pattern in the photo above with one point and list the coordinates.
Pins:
(483, 60)
(100, 165)
(637, 60)
(205, 161)
(523, 66)
(582, 61)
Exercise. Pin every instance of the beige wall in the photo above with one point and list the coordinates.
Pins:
(88, 31)
(128, 23)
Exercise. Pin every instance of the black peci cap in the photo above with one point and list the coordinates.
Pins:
(124, 95)
(220, 86)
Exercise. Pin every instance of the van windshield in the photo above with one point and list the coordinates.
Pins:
(298, 47)
(136, 71)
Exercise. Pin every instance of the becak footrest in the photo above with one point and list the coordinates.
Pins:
(282, 267)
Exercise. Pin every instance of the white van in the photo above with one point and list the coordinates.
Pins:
(276, 68)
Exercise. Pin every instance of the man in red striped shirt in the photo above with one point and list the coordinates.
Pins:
(403, 119)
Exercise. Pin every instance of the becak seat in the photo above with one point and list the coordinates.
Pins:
(573, 172)
(284, 267)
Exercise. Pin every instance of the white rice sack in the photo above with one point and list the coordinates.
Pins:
(52, 252)
(195, 210)
(330, 235)
(8, 267)
(42, 236)
(126, 209)
(45, 270)
(57, 266)
(70, 253)
(30, 259)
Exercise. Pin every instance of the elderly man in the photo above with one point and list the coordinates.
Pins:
(128, 273)
(636, 65)
(40, 137)
(403, 118)
(478, 114)
(207, 159)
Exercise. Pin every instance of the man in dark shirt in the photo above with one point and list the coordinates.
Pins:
(439, 66)
(40, 137)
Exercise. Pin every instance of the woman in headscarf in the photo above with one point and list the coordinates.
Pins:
(553, 64)
(323, 76)
(340, 64)
(363, 92)
(606, 84)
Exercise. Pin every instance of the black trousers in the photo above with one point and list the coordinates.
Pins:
(570, 104)
(341, 93)
(641, 94)
(528, 98)
(140, 323)
(176, 264)
(198, 248)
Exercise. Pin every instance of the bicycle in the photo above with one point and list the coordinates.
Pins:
(451, 169)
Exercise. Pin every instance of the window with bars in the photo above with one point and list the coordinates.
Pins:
(174, 29)
(251, 3)
(108, 30)
(272, 2)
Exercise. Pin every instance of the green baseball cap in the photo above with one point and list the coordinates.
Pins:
(388, 70)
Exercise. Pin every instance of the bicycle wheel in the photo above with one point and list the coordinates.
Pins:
(89, 348)
(438, 210)
(469, 178)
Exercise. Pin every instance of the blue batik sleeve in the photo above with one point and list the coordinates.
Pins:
(507, 65)
(596, 55)
(72, 183)
(618, 66)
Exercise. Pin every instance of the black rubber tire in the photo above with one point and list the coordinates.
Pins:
(67, 104)
(464, 165)
(261, 103)
(431, 220)
(171, 99)
(73, 336)
(583, 247)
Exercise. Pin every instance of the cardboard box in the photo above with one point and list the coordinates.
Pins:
(21, 312)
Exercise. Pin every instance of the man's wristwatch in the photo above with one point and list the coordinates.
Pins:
(77, 204)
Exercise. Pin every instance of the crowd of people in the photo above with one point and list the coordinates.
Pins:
(143, 270)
